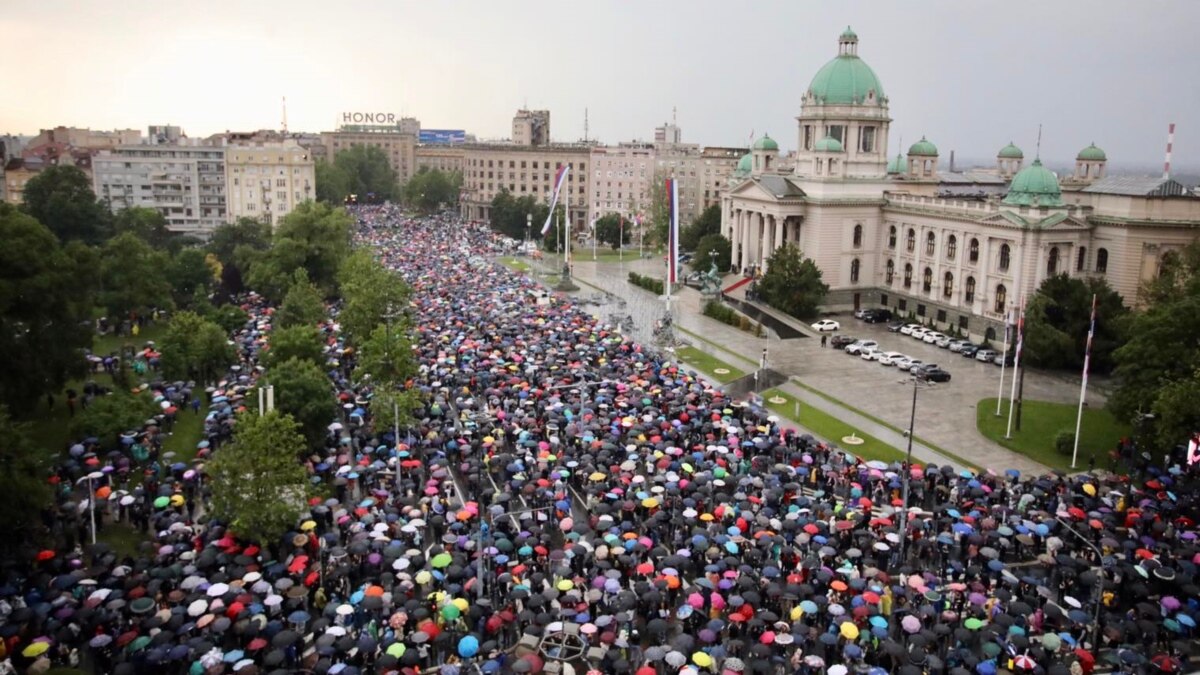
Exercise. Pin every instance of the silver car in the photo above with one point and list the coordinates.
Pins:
(986, 355)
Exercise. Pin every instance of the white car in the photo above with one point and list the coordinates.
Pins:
(890, 358)
(826, 325)
(908, 328)
(906, 363)
(957, 345)
(918, 333)
(933, 336)
(860, 345)
(869, 353)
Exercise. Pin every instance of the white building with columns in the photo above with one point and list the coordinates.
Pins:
(958, 248)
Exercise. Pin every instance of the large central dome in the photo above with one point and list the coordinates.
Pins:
(847, 79)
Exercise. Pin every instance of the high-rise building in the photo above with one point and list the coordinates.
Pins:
(185, 183)
(531, 127)
(621, 180)
(397, 141)
(668, 134)
(266, 180)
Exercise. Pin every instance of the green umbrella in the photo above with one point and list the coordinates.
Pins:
(991, 649)
(138, 644)
(1051, 642)
(442, 560)
(397, 649)
(451, 612)
(162, 502)
(973, 624)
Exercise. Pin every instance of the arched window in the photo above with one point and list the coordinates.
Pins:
(1052, 262)
(990, 334)
(930, 241)
(969, 292)
(1080, 259)
(854, 271)
(1001, 297)
(891, 271)
(1102, 260)
(911, 242)
(927, 280)
(973, 252)
(858, 236)
(907, 275)
(892, 237)
(948, 285)
(951, 247)
(1005, 255)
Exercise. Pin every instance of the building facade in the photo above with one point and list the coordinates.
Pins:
(186, 184)
(956, 248)
(621, 181)
(439, 157)
(398, 142)
(489, 168)
(266, 180)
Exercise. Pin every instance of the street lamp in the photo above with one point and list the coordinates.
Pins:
(1099, 593)
(528, 225)
(918, 379)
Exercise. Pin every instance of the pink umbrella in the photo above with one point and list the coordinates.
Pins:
(718, 601)
(696, 600)
(910, 624)
(567, 524)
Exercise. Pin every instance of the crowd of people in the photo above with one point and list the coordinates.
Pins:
(563, 481)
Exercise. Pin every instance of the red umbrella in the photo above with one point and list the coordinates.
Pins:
(1077, 513)
(1166, 663)
(645, 568)
(45, 555)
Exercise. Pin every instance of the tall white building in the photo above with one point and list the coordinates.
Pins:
(186, 184)
(267, 180)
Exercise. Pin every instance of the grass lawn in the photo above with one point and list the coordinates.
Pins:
(1041, 422)
(515, 264)
(708, 364)
(832, 429)
(123, 539)
(602, 255)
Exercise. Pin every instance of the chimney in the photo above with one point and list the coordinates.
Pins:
(951, 161)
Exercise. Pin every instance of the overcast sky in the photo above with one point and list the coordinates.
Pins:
(969, 75)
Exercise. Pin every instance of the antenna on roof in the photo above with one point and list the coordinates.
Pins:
(585, 125)
(674, 115)
(285, 114)
(1170, 142)
(1038, 152)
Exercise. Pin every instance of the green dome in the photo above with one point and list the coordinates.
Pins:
(744, 165)
(828, 144)
(1035, 185)
(896, 165)
(846, 79)
(765, 143)
(923, 148)
(1011, 151)
(1092, 153)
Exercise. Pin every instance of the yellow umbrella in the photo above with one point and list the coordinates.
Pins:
(1090, 489)
(596, 476)
(796, 613)
(565, 585)
(176, 500)
(849, 630)
(706, 517)
(308, 525)
(35, 650)
(424, 577)
(649, 502)
(461, 604)
(701, 659)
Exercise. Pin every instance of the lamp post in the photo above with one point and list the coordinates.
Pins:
(528, 225)
(917, 381)
(1099, 592)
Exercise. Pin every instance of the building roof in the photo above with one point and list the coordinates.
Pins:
(1092, 153)
(849, 34)
(1035, 185)
(923, 148)
(970, 177)
(897, 164)
(846, 79)
(1010, 151)
(780, 186)
(765, 143)
(828, 144)
(744, 165)
(1137, 186)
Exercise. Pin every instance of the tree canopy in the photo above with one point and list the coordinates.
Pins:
(793, 283)
(109, 416)
(302, 306)
(509, 215)
(706, 246)
(610, 230)
(1057, 319)
(195, 348)
(429, 189)
(302, 391)
(258, 483)
(148, 224)
(387, 357)
(24, 489)
(61, 198)
(301, 342)
(360, 170)
(370, 293)
(313, 236)
(708, 223)
(133, 276)
(189, 272)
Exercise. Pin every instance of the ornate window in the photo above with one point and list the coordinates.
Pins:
(969, 293)
(892, 237)
(907, 275)
(1052, 262)
(1080, 259)
(930, 242)
(1005, 257)
(948, 285)
(854, 265)
(858, 236)
(891, 271)
(951, 247)
(911, 241)
(1102, 260)
(973, 250)
(1001, 297)
(927, 280)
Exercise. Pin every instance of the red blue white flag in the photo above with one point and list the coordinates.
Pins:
(672, 232)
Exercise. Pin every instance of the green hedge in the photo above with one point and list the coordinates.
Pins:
(728, 315)
(649, 283)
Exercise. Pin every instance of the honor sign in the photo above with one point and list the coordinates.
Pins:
(368, 118)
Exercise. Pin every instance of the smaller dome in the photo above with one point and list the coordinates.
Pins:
(1010, 151)
(1035, 185)
(1092, 154)
(923, 148)
(744, 165)
(896, 165)
(765, 143)
(828, 144)
(848, 34)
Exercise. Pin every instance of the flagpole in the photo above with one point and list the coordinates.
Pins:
(1012, 397)
(1087, 357)
(621, 240)
(1000, 392)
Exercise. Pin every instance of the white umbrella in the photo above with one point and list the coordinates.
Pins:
(217, 590)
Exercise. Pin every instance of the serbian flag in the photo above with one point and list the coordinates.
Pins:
(559, 179)
(672, 232)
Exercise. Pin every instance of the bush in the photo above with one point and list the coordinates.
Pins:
(649, 283)
(1064, 442)
(728, 315)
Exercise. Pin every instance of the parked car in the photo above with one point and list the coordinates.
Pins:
(908, 328)
(889, 358)
(877, 315)
(924, 367)
(944, 341)
(1007, 359)
(906, 363)
(937, 375)
(957, 345)
(933, 336)
(840, 341)
(895, 326)
(861, 312)
(918, 333)
(869, 353)
(969, 350)
(986, 355)
(860, 345)
(826, 325)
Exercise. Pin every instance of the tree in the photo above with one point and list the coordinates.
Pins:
(429, 189)
(792, 283)
(295, 342)
(236, 246)
(370, 293)
(1177, 416)
(518, 218)
(1057, 320)
(148, 224)
(23, 486)
(387, 357)
(258, 483)
(195, 348)
(333, 184)
(659, 215)
(189, 273)
(708, 223)
(612, 231)
(61, 198)
(45, 310)
(302, 306)
(302, 391)
(133, 276)
(388, 402)
(704, 249)
(368, 173)
(107, 417)
(313, 236)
